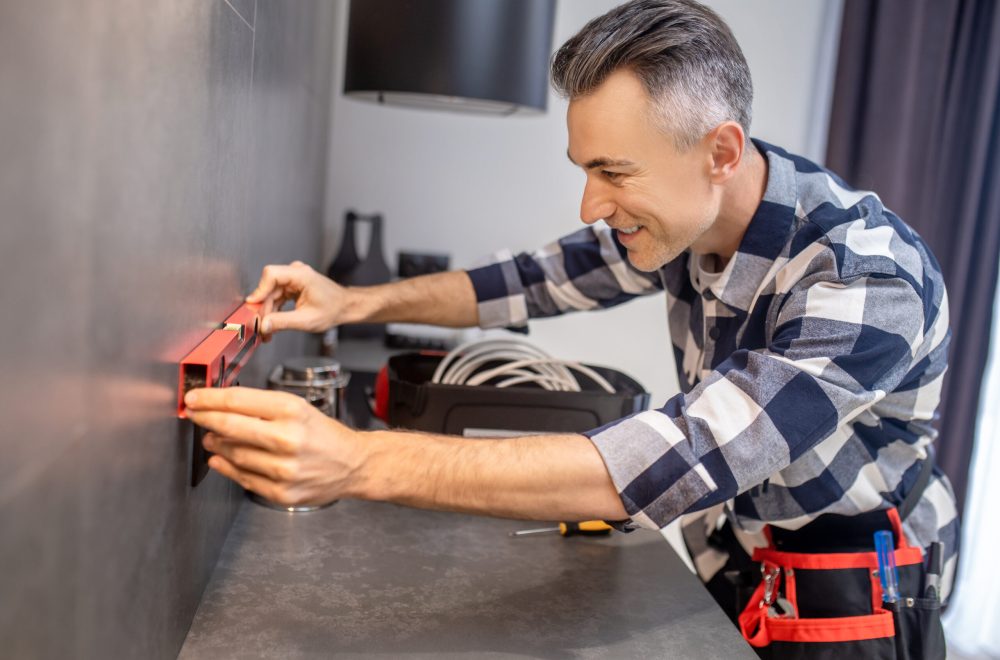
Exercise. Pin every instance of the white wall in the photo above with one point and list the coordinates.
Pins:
(469, 185)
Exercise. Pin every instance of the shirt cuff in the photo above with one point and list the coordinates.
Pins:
(500, 295)
(651, 463)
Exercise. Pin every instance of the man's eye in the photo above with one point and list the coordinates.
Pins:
(611, 175)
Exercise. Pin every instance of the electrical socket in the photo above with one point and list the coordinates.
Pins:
(412, 264)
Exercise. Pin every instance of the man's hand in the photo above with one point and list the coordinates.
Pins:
(440, 299)
(279, 446)
(276, 444)
(320, 303)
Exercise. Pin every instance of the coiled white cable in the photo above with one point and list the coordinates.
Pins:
(463, 368)
(469, 350)
(484, 352)
(481, 378)
(525, 363)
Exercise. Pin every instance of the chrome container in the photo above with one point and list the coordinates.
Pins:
(321, 382)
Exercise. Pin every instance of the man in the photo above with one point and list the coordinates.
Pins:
(809, 327)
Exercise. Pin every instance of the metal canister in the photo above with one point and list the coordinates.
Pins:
(321, 382)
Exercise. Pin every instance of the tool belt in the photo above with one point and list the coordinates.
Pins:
(819, 593)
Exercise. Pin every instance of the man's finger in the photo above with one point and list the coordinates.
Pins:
(269, 305)
(249, 480)
(241, 428)
(265, 286)
(272, 277)
(272, 304)
(263, 404)
(250, 459)
(296, 319)
(266, 308)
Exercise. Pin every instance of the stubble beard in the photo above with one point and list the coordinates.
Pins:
(650, 263)
(663, 251)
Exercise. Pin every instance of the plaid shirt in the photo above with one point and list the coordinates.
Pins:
(811, 366)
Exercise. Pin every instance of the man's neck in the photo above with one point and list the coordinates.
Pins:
(739, 204)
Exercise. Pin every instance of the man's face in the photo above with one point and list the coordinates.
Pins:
(659, 199)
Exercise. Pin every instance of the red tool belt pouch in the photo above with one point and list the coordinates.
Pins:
(829, 604)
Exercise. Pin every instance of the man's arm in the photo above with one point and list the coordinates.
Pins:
(551, 477)
(438, 299)
(838, 348)
(279, 446)
(446, 299)
(585, 270)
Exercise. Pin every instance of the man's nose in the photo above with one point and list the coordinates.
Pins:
(596, 204)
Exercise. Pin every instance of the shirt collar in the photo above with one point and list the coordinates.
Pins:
(766, 235)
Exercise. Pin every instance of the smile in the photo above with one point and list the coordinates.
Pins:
(630, 230)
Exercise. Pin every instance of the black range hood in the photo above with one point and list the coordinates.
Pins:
(481, 56)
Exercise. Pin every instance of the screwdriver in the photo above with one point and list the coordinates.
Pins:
(587, 528)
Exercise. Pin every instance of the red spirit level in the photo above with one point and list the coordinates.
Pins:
(217, 361)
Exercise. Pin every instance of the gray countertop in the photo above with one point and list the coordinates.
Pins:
(363, 579)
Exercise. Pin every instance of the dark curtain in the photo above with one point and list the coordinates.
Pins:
(915, 118)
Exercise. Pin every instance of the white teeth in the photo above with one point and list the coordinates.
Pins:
(630, 230)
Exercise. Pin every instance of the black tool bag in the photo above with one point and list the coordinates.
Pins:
(812, 602)
(819, 593)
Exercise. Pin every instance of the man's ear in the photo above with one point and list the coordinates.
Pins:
(726, 142)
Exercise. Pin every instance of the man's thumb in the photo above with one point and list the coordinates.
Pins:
(276, 321)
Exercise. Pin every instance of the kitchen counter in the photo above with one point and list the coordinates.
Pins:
(372, 580)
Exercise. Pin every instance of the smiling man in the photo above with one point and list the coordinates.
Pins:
(809, 326)
(661, 199)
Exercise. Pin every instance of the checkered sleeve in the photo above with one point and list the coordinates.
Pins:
(834, 348)
(585, 270)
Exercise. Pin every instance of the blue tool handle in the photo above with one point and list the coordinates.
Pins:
(885, 551)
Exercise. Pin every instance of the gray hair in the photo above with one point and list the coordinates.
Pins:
(685, 55)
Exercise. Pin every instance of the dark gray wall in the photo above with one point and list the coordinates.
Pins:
(153, 157)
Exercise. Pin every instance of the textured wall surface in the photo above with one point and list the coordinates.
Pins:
(153, 156)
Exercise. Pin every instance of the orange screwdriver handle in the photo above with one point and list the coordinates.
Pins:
(586, 528)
